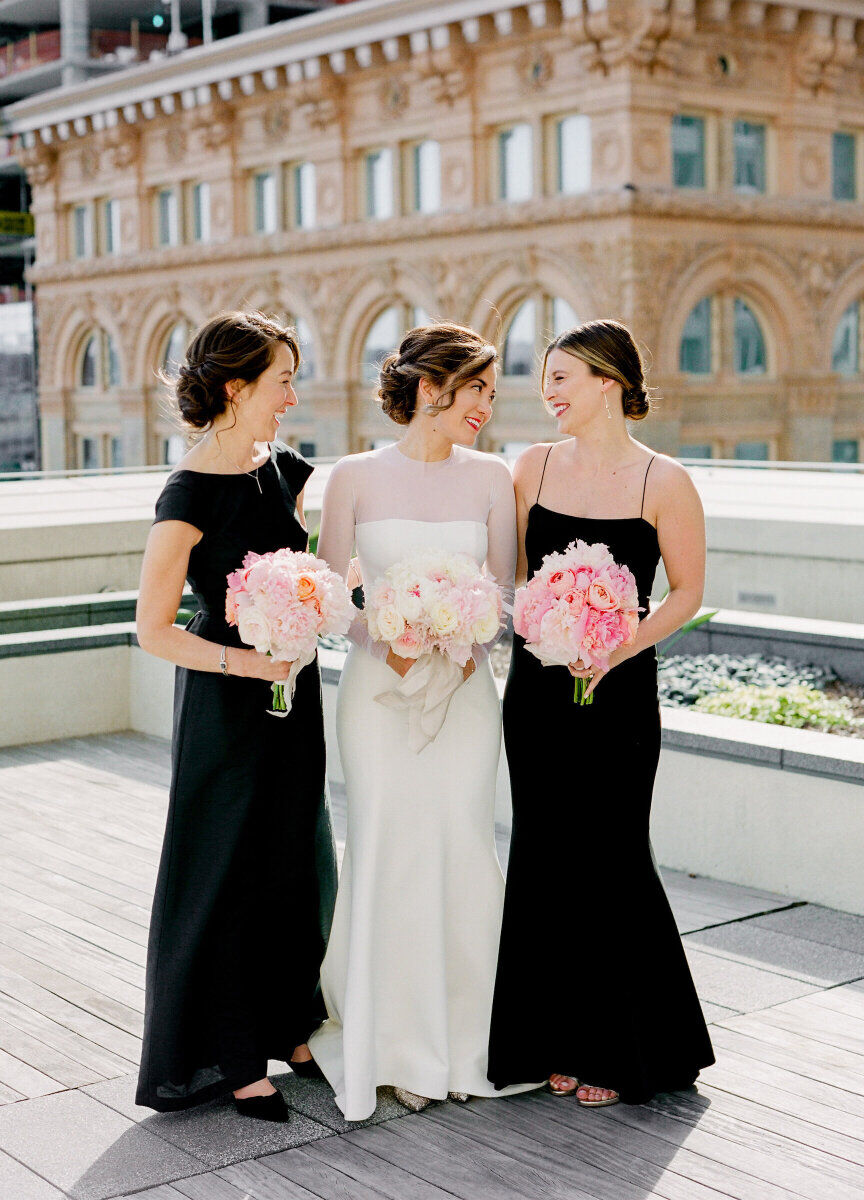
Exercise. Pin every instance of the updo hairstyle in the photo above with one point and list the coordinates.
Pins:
(609, 350)
(234, 345)
(443, 352)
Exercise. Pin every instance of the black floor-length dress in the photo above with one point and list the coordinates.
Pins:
(247, 878)
(592, 978)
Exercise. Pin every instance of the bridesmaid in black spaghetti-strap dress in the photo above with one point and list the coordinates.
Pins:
(247, 878)
(592, 978)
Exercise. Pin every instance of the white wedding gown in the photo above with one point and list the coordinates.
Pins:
(410, 966)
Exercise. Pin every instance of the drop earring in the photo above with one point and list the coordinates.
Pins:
(608, 412)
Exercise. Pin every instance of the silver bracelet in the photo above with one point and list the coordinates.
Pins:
(223, 665)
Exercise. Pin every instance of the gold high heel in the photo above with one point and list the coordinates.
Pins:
(459, 1097)
(411, 1100)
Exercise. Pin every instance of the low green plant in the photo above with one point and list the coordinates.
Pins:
(702, 619)
(313, 540)
(793, 704)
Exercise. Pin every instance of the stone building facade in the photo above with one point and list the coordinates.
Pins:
(691, 167)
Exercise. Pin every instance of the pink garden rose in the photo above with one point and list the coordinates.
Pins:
(581, 604)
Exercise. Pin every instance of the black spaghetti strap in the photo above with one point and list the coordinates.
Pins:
(542, 473)
(645, 484)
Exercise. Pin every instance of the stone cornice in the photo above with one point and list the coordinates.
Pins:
(334, 41)
(752, 213)
(647, 36)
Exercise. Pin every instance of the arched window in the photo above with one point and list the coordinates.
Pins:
(100, 362)
(89, 374)
(381, 339)
(532, 327)
(694, 352)
(520, 339)
(307, 349)
(112, 363)
(846, 351)
(750, 355)
(174, 352)
(385, 334)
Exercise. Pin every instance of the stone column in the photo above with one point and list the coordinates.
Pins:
(74, 39)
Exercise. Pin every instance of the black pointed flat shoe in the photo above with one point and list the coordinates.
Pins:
(306, 1070)
(265, 1108)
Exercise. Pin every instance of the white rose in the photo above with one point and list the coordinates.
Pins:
(443, 618)
(486, 628)
(254, 629)
(390, 624)
(408, 606)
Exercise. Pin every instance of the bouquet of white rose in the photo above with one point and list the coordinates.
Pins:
(432, 607)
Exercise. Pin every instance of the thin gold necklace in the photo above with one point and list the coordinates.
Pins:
(251, 474)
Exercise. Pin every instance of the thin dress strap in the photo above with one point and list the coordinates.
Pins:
(542, 473)
(645, 484)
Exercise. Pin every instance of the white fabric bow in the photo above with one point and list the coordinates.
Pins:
(425, 692)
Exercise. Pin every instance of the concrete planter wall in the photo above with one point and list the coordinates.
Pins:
(779, 809)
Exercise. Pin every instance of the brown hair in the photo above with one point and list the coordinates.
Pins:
(609, 350)
(234, 345)
(447, 354)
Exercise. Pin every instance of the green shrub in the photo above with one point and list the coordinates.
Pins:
(794, 704)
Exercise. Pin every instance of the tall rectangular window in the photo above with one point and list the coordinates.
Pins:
(265, 202)
(843, 167)
(750, 168)
(574, 154)
(88, 454)
(116, 452)
(845, 450)
(82, 234)
(201, 212)
(167, 217)
(427, 177)
(305, 188)
(695, 450)
(688, 151)
(111, 226)
(379, 184)
(754, 451)
(516, 163)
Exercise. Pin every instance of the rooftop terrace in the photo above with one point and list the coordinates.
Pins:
(780, 1115)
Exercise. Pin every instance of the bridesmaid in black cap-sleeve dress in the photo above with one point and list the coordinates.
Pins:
(247, 877)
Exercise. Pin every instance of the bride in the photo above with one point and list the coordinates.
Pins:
(410, 967)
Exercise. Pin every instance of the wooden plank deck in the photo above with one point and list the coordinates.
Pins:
(781, 1114)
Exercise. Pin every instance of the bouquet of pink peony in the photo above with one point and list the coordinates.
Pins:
(432, 607)
(280, 602)
(580, 605)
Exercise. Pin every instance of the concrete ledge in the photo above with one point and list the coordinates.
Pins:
(70, 612)
(835, 644)
(773, 808)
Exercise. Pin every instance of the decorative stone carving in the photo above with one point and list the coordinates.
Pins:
(214, 123)
(89, 162)
(649, 39)
(394, 96)
(535, 68)
(445, 82)
(276, 122)
(176, 142)
(123, 146)
(40, 163)
(824, 54)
